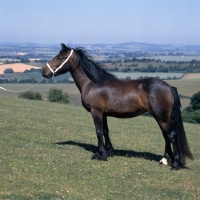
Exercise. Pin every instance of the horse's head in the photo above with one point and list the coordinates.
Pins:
(60, 64)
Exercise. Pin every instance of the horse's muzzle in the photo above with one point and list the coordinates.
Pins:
(46, 74)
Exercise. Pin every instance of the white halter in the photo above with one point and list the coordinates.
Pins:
(61, 64)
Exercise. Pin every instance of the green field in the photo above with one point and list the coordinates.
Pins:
(186, 88)
(71, 89)
(46, 150)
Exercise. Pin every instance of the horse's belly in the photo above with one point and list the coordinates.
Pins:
(125, 114)
(124, 110)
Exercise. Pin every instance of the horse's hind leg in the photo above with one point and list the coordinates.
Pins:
(178, 160)
(108, 144)
(168, 155)
(174, 158)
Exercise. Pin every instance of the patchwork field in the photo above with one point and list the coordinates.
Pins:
(187, 86)
(192, 76)
(17, 67)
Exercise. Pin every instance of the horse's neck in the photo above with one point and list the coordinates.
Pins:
(80, 78)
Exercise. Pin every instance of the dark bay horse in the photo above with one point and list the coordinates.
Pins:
(104, 95)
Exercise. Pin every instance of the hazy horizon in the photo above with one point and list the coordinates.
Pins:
(100, 22)
(49, 44)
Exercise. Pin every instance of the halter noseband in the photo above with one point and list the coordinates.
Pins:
(61, 64)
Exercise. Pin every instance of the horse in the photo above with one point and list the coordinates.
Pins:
(104, 95)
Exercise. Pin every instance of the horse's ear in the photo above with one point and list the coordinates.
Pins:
(64, 48)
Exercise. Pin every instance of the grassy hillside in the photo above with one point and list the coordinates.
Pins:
(71, 89)
(46, 150)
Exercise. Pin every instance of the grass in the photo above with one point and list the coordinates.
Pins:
(186, 88)
(46, 150)
(43, 89)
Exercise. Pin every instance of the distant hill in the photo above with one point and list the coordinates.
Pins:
(34, 50)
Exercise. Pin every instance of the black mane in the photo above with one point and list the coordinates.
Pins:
(93, 70)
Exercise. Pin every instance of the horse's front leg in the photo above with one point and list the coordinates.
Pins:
(98, 121)
(108, 144)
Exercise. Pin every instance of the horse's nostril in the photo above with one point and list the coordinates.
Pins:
(45, 74)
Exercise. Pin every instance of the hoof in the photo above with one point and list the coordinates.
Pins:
(99, 156)
(163, 161)
(175, 168)
(110, 152)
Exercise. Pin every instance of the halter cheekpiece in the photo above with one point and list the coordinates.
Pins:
(61, 64)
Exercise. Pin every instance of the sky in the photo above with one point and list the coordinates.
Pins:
(100, 21)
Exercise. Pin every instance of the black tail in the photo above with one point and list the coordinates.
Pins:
(176, 123)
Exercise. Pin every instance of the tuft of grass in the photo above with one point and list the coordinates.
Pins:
(46, 150)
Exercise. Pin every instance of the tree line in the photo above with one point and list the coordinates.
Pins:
(127, 65)
(191, 113)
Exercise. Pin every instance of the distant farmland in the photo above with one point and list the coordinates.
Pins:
(17, 67)
(173, 58)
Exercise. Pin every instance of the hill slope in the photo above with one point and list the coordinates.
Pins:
(46, 150)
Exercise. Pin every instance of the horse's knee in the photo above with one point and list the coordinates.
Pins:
(99, 133)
